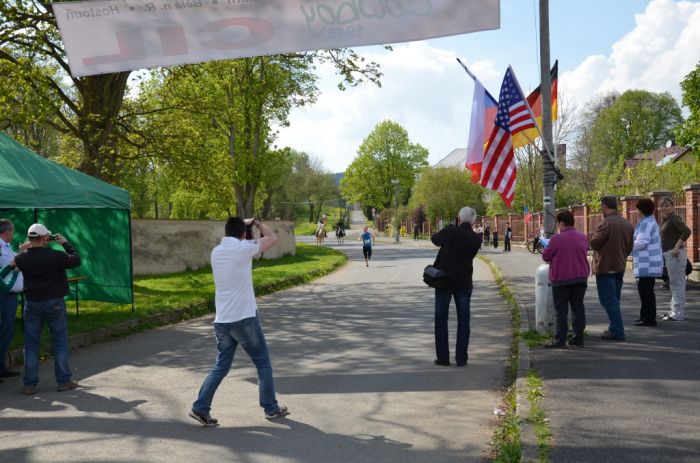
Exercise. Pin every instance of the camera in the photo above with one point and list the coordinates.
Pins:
(249, 230)
(53, 237)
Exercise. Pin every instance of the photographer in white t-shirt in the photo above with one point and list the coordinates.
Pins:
(237, 319)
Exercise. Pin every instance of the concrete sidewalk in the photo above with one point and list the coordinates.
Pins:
(632, 401)
(352, 354)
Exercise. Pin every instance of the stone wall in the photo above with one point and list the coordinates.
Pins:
(168, 246)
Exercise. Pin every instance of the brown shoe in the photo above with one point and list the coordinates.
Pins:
(69, 386)
(29, 390)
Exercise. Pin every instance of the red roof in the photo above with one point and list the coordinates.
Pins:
(656, 156)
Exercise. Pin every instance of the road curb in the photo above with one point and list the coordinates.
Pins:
(530, 448)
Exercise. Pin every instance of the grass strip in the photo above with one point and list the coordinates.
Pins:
(537, 416)
(533, 339)
(506, 441)
(191, 293)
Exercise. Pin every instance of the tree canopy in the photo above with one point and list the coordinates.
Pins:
(637, 122)
(445, 190)
(386, 154)
(689, 131)
(101, 128)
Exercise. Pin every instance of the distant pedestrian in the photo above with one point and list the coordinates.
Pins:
(647, 261)
(495, 238)
(480, 231)
(611, 243)
(674, 234)
(458, 247)
(507, 237)
(487, 235)
(367, 239)
(237, 321)
(45, 286)
(567, 254)
(416, 231)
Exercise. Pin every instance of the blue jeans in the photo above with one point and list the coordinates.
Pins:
(248, 333)
(442, 310)
(53, 312)
(8, 312)
(609, 293)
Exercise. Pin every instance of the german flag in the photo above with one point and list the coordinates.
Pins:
(535, 101)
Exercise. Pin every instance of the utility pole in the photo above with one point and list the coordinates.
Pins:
(550, 172)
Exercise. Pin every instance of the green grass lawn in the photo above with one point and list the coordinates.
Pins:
(302, 226)
(305, 228)
(155, 294)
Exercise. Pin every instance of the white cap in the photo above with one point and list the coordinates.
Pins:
(37, 230)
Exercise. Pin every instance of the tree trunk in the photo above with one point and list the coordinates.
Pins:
(101, 98)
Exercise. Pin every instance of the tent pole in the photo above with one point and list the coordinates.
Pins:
(131, 266)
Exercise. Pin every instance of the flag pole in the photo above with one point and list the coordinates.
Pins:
(466, 69)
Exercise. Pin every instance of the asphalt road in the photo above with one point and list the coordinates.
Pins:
(352, 354)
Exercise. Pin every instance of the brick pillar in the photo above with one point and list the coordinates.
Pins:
(692, 219)
(629, 209)
(586, 214)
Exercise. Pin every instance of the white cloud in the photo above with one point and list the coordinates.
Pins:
(656, 55)
(423, 89)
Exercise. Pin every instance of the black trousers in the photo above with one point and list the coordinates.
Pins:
(563, 297)
(645, 287)
(506, 243)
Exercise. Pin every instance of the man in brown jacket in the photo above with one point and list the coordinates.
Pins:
(611, 243)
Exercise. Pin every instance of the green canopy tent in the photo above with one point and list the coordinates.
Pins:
(93, 215)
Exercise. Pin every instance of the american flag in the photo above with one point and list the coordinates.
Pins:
(514, 115)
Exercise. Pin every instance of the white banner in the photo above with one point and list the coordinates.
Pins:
(120, 35)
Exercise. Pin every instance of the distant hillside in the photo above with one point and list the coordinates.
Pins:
(338, 176)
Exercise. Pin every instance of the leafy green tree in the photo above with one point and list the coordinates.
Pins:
(91, 109)
(689, 131)
(647, 176)
(585, 163)
(386, 154)
(529, 187)
(444, 191)
(86, 108)
(214, 120)
(310, 183)
(637, 122)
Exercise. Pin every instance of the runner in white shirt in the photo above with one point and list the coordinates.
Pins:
(237, 319)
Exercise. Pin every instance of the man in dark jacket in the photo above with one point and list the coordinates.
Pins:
(611, 243)
(458, 247)
(45, 285)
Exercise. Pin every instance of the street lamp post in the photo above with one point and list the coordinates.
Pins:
(396, 183)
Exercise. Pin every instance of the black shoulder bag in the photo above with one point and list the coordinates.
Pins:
(436, 277)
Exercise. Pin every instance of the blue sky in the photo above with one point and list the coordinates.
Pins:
(601, 46)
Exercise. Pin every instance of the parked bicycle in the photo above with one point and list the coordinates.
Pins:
(535, 246)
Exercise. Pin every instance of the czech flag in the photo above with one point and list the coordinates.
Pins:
(484, 109)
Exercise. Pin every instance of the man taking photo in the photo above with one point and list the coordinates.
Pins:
(45, 285)
(237, 319)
